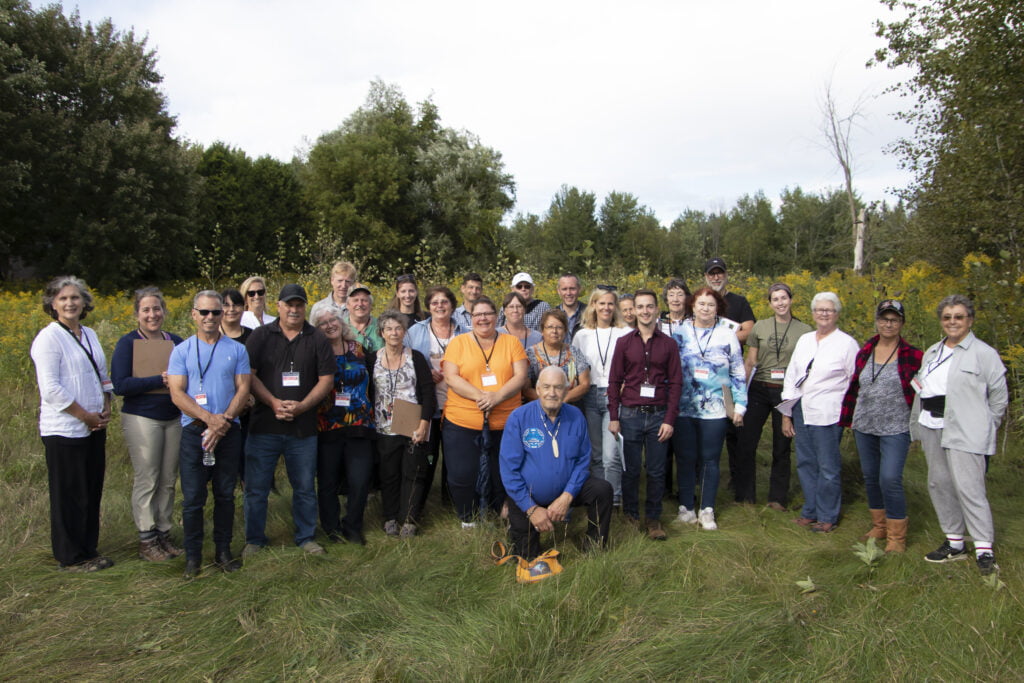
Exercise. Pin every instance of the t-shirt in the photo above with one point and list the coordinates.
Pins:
(211, 370)
(774, 342)
(598, 345)
(465, 352)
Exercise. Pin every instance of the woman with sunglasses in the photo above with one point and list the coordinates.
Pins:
(255, 290)
(151, 424)
(406, 300)
(877, 407)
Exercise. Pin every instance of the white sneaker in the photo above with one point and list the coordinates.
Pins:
(686, 515)
(469, 525)
(707, 519)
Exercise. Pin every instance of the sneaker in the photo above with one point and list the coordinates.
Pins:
(408, 530)
(707, 519)
(391, 527)
(313, 548)
(654, 530)
(251, 549)
(987, 564)
(686, 515)
(946, 553)
(469, 525)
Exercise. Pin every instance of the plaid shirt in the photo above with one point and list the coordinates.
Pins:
(908, 360)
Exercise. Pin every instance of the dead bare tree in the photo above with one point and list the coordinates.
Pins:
(837, 129)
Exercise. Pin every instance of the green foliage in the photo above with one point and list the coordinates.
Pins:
(869, 553)
(807, 586)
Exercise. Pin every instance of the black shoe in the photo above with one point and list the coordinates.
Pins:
(335, 537)
(355, 537)
(191, 568)
(226, 562)
(946, 553)
(987, 564)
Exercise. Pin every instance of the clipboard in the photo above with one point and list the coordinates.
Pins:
(786, 407)
(730, 407)
(405, 417)
(150, 357)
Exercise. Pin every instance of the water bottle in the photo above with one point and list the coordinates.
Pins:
(209, 460)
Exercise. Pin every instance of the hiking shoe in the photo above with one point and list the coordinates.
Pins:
(654, 530)
(168, 546)
(391, 527)
(686, 515)
(987, 564)
(707, 519)
(251, 549)
(408, 530)
(151, 550)
(313, 548)
(946, 553)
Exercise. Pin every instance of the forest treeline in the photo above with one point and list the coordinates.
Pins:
(93, 180)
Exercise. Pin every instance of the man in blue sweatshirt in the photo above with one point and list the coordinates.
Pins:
(545, 466)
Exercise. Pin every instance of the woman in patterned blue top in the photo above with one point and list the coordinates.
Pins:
(711, 360)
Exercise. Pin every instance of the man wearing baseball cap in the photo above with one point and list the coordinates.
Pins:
(523, 284)
(292, 372)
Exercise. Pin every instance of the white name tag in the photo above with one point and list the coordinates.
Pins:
(778, 375)
(201, 399)
(342, 400)
(489, 380)
(289, 379)
(701, 373)
(646, 390)
(108, 386)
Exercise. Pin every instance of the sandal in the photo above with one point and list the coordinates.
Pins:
(824, 527)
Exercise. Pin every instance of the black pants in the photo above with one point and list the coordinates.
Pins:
(343, 458)
(596, 494)
(434, 450)
(761, 400)
(75, 469)
(195, 477)
(403, 476)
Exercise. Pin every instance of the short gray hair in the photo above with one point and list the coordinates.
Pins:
(554, 368)
(826, 296)
(207, 293)
(60, 282)
(391, 316)
(955, 300)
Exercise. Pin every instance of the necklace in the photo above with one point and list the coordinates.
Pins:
(874, 375)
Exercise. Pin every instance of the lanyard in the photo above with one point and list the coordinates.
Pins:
(544, 350)
(779, 343)
(392, 375)
(199, 366)
(487, 358)
(934, 365)
(607, 348)
(709, 334)
(442, 344)
(874, 375)
(87, 352)
(554, 437)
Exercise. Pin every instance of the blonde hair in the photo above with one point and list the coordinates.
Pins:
(590, 314)
(244, 288)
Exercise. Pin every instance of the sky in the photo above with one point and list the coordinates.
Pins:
(685, 104)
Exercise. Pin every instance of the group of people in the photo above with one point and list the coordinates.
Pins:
(535, 408)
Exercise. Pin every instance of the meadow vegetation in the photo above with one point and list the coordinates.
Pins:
(759, 599)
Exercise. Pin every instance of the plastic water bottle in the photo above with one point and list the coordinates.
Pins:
(209, 459)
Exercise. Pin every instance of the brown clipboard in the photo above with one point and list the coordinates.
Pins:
(150, 357)
(405, 417)
(730, 407)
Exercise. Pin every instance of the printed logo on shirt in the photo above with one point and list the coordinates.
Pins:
(533, 438)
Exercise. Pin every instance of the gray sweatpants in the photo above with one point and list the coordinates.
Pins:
(956, 484)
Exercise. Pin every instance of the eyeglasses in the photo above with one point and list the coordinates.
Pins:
(440, 303)
(253, 293)
(824, 311)
(554, 328)
(488, 314)
(203, 312)
(958, 317)
(524, 285)
(890, 322)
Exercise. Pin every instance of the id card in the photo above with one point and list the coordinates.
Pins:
(701, 373)
(646, 390)
(342, 400)
(489, 379)
(201, 399)
(289, 379)
(108, 386)
(778, 375)
(916, 385)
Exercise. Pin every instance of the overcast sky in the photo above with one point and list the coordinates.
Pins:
(683, 103)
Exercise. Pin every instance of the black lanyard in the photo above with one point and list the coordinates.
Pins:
(607, 348)
(874, 375)
(487, 359)
(711, 332)
(544, 350)
(87, 352)
(934, 365)
(444, 347)
(779, 343)
(199, 366)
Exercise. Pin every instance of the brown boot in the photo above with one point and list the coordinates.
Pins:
(897, 535)
(167, 545)
(877, 525)
(151, 551)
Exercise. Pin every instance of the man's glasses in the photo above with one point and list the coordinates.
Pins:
(253, 293)
(203, 312)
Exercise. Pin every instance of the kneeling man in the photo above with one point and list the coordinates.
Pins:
(545, 466)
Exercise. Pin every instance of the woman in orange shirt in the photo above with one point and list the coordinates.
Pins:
(485, 371)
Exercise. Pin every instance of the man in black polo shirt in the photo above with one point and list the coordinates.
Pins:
(292, 372)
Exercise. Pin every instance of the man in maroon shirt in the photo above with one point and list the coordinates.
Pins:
(644, 385)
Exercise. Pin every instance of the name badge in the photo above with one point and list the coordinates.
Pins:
(646, 390)
(701, 373)
(778, 375)
(916, 385)
(108, 386)
(201, 399)
(289, 379)
(489, 379)
(342, 400)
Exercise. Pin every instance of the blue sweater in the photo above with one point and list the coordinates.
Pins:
(134, 389)
(529, 469)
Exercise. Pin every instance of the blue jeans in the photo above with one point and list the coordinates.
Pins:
(462, 453)
(194, 478)
(882, 459)
(351, 457)
(605, 459)
(695, 439)
(261, 454)
(639, 432)
(818, 463)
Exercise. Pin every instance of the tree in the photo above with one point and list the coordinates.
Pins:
(837, 128)
(568, 225)
(91, 179)
(967, 151)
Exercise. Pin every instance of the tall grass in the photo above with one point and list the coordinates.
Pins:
(711, 605)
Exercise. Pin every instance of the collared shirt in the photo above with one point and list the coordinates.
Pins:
(575, 320)
(271, 354)
(821, 394)
(463, 317)
(211, 373)
(534, 310)
(328, 302)
(65, 375)
(635, 363)
(369, 338)
(531, 473)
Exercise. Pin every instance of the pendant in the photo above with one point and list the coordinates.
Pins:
(554, 447)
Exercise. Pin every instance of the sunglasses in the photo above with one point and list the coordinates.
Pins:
(607, 288)
(203, 312)
(405, 278)
(253, 293)
(524, 285)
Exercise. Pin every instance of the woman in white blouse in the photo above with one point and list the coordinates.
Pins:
(74, 411)
(817, 377)
(255, 290)
(602, 326)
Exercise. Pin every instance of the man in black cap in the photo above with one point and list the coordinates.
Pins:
(741, 320)
(292, 372)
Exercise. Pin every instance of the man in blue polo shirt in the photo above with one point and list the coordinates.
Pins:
(208, 375)
(545, 466)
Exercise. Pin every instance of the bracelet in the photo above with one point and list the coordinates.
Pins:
(529, 513)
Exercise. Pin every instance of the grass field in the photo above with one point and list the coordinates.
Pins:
(719, 605)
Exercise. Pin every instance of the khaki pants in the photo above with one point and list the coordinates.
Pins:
(956, 484)
(153, 447)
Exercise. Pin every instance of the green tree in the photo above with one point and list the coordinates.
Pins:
(91, 179)
(814, 230)
(966, 87)
(568, 224)
(752, 238)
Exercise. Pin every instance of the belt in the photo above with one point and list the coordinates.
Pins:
(647, 409)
